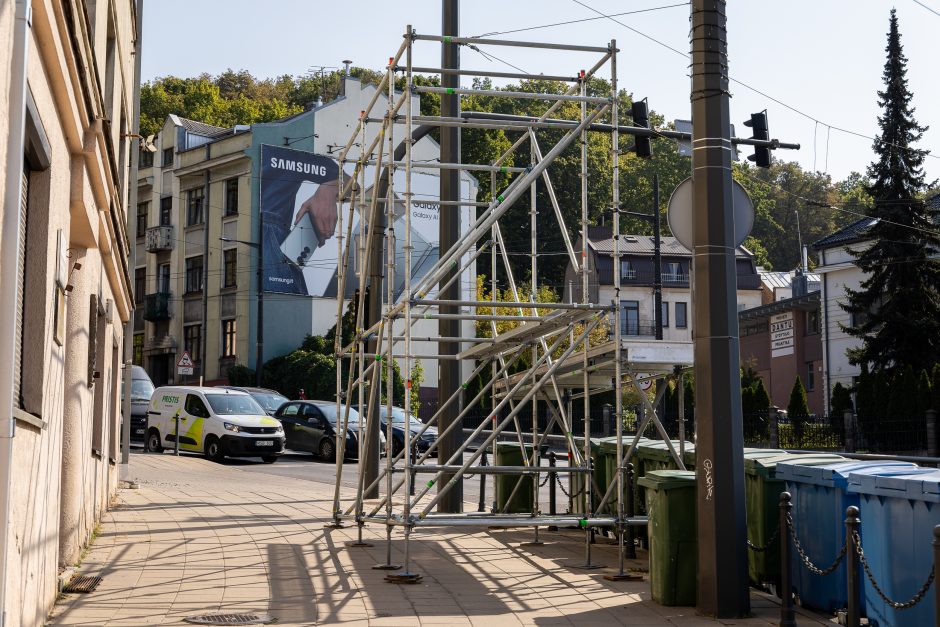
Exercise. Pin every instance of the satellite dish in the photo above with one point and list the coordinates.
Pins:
(680, 213)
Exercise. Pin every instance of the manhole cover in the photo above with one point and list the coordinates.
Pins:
(230, 619)
(82, 583)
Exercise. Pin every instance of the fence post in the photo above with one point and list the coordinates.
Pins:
(628, 512)
(851, 567)
(931, 433)
(774, 416)
(848, 422)
(787, 613)
(481, 504)
(936, 570)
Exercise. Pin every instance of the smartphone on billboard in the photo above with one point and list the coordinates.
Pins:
(303, 238)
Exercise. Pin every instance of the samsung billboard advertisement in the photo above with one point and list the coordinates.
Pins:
(301, 226)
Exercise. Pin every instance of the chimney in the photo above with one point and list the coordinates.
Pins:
(346, 74)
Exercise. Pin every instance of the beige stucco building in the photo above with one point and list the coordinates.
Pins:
(68, 84)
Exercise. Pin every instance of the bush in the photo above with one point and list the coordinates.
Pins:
(241, 375)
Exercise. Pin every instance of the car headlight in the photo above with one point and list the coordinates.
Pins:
(279, 429)
(231, 427)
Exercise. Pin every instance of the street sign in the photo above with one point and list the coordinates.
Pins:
(685, 147)
(185, 364)
(680, 213)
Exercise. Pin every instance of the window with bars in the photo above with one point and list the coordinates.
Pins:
(229, 267)
(231, 197)
(228, 338)
(143, 216)
(195, 206)
(192, 341)
(193, 274)
(166, 210)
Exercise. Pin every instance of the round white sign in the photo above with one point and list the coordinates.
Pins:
(680, 215)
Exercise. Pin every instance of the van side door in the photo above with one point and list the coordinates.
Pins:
(192, 423)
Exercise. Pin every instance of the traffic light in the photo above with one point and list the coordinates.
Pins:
(644, 146)
(758, 122)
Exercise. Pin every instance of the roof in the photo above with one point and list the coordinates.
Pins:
(195, 388)
(602, 242)
(855, 232)
(808, 301)
(199, 128)
(782, 279)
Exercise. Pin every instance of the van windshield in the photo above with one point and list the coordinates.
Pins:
(234, 405)
(141, 390)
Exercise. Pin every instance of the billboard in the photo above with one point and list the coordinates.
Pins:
(300, 226)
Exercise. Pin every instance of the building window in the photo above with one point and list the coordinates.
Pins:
(812, 322)
(138, 348)
(163, 278)
(193, 275)
(195, 206)
(681, 316)
(665, 310)
(140, 283)
(672, 272)
(810, 377)
(231, 197)
(629, 317)
(166, 210)
(627, 271)
(228, 338)
(146, 159)
(143, 216)
(192, 341)
(167, 158)
(229, 267)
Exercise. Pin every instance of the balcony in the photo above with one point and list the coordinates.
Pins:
(675, 278)
(159, 238)
(160, 344)
(157, 307)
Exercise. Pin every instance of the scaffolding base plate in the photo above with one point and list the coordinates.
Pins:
(386, 567)
(335, 525)
(588, 566)
(533, 543)
(410, 578)
(357, 543)
(623, 577)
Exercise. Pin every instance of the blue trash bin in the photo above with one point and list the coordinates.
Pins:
(898, 514)
(819, 503)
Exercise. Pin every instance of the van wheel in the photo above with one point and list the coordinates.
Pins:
(213, 449)
(269, 459)
(327, 450)
(153, 442)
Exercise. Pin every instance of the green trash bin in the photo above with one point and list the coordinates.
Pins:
(607, 464)
(653, 455)
(576, 479)
(510, 454)
(762, 503)
(673, 542)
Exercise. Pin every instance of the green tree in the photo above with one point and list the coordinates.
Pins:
(798, 409)
(897, 306)
(841, 401)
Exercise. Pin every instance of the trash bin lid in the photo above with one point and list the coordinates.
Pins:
(767, 466)
(837, 474)
(659, 450)
(918, 484)
(667, 479)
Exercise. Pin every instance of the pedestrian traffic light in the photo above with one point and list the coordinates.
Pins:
(758, 122)
(644, 146)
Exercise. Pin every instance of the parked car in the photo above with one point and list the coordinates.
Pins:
(422, 443)
(269, 400)
(141, 392)
(219, 423)
(311, 426)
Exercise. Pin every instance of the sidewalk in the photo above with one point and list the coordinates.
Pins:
(198, 538)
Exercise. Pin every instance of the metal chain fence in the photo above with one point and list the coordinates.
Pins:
(816, 570)
(770, 541)
(898, 605)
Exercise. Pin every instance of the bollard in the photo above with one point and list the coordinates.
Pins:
(552, 480)
(176, 433)
(570, 484)
(848, 424)
(787, 613)
(773, 415)
(931, 433)
(936, 572)
(628, 511)
(481, 505)
(851, 566)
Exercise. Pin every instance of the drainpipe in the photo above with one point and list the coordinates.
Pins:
(132, 253)
(9, 257)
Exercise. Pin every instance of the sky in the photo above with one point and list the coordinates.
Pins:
(817, 65)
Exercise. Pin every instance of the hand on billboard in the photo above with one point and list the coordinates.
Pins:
(321, 208)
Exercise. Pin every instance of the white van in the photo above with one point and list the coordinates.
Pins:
(213, 421)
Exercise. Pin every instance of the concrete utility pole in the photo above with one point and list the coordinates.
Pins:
(448, 378)
(722, 552)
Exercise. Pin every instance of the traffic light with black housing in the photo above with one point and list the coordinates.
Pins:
(644, 145)
(758, 123)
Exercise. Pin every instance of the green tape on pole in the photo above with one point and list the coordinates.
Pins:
(583, 523)
(431, 483)
(450, 90)
(446, 39)
(378, 358)
(500, 198)
(504, 169)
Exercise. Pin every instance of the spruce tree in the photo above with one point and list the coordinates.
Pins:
(898, 302)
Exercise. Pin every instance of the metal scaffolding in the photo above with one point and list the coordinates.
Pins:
(564, 363)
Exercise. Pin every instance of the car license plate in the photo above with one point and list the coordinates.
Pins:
(264, 443)
(139, 431)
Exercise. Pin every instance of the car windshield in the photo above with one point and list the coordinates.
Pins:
(234, 405)
(329, 410)
(141, 390)
(270, 401)
(398, 418)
